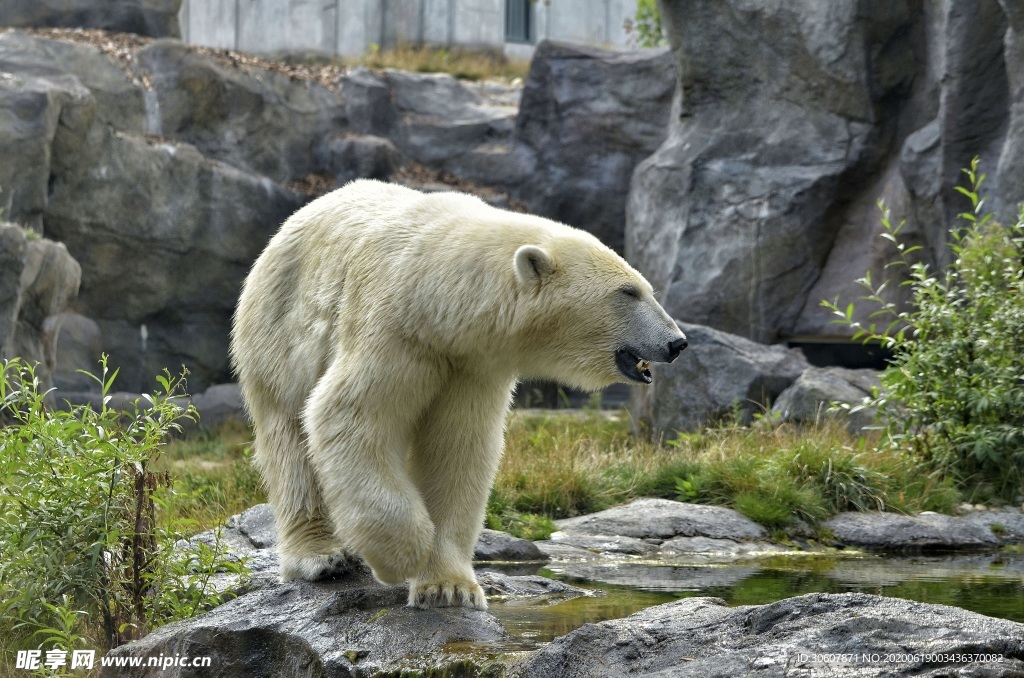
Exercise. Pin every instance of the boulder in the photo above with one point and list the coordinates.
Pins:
(41, 281)
(587, 117)
(717, 375)
(850, 634)
(31, 108)
(79, 347)
(661, 519)
(348, 157)
(896, 532)
(181, 232)
(762, 200)
(732, 217)
(440, 118)
(494, 545)
(256, 119)
(812, 395)
(119, 96)
(156, 18)
(12, 261)
(218, 405)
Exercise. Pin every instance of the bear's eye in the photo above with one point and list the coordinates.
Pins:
(631, 291)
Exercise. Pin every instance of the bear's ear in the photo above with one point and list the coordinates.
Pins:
(533, 264)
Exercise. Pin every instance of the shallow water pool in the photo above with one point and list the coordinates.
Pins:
(990, 584)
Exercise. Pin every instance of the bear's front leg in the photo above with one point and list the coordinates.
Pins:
(359, 441)
(455, 456)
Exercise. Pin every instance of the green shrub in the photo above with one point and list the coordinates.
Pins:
(954, 393)
(646, 25)
(87, 547)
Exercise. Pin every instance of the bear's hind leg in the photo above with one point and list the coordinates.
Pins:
(306, 543)
(455, 457)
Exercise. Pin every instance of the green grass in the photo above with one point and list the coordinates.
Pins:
(562, 464)
(460, 63)
(212, 475)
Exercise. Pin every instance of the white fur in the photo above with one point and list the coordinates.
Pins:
(377, 341)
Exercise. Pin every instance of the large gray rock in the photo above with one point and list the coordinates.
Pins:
(79, 347)
(439, 122)
(156, 18)
(346, 157)
(1010, 170)
(256, 119)
(661, 519)
(762, 200)
(731, 218)
(31, 108)
(588, 116)
(351, 626)
(179, 230)
(849, 634)
(441, 119)
(811, 397)
(119, 97)
(895, 532)
(716, 374)
(493, 545)
(41, 281)
(12, 261)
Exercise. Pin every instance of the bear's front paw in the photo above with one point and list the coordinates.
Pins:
(318, 566)
(452, 592)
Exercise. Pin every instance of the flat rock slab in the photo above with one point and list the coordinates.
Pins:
(1007, 525)
(600, 544)
(662, 519)
(848, 634)
(346, 627)
(895, 532)
(705, 546)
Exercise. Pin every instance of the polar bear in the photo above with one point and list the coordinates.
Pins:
(377, 341)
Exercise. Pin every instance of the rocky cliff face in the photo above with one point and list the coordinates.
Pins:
(790, 121)
(164, 168)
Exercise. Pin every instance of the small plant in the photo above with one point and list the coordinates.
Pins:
(88, 551)
(645, 28)
(954, 393)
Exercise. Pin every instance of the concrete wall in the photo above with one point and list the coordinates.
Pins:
(350, 27)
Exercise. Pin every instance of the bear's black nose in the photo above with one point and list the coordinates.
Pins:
(675, 347)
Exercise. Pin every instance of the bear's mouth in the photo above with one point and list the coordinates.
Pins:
(633, 366)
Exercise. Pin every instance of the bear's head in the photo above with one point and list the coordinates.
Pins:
(594, 319)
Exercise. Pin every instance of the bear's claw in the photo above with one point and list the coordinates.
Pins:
(447, 593)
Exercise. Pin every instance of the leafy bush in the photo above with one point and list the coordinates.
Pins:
(954, 393)
(88, 553)
(645, 27)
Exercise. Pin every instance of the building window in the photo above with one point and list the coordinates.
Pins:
(518, 21)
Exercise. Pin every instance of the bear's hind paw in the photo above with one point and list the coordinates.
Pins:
(318, 566)
(447, 593)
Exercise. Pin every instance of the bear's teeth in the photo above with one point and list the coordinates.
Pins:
(643, 365)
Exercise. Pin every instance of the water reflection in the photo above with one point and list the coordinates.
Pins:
(990, 584)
